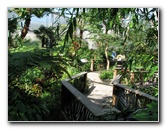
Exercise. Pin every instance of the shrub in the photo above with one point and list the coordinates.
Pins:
(106, 74)
(148, 114)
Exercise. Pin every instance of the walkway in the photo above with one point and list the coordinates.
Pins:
(99, 94)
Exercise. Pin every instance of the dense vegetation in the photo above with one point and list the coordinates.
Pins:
(36, 67)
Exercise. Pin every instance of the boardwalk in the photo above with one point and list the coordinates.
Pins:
(99, 94)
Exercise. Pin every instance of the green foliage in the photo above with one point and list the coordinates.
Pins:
(106, 74)
(34, 73)
(152, 90)
(24, 107)
(34, 77)
(24, 12)
(14, 39)
(149, 114)
(50, 33)
(72, 71)
(141, 37)
(12, 25)
(44, 32)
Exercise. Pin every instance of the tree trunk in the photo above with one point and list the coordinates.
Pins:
(106, 48)
(81, 35)
(26, 27)
(107, 59)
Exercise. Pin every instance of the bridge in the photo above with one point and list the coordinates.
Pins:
(85, 97)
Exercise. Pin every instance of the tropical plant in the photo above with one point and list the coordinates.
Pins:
(148, 114)
(13, 36)
(25, 107)
(34, 75)
(106, 74)
(37, 73)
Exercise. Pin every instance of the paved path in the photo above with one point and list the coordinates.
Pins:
(94, 76)
(99, 94)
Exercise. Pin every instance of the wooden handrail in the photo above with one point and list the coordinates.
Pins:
(125, 97)
(75, 76)
(136, 91)
(97, 111)
(78, 107)
(75, 105)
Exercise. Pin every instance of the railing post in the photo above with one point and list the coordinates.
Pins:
(132, 77)
(114, 97)
(115, 73)
(92, 65)
(85, 82)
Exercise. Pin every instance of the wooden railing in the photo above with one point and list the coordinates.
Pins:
(75, 105)
(128, 98)
(78, 81)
